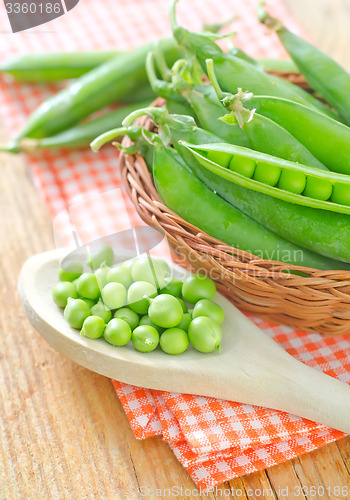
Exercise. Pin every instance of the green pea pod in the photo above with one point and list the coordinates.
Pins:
(328, 140)
(264, 134)
(275, 177)
(54, 67)
(100, 87)
(269, 137)
(79, 136)
(280, 65)
(233, 72)
(184, 193)
(324, 74)
(321, 231)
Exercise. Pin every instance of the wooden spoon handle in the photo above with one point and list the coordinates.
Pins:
(309, 393)
(258, 371)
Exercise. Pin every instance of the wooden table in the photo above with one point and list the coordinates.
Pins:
(63, 431)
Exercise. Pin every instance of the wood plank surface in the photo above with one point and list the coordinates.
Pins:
(63, 431)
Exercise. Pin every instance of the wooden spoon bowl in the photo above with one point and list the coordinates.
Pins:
(251, 368)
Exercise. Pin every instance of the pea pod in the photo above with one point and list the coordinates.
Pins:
(328, 140)
(280, 65)
(100, 87)
(54, 67)
(275, 177)
(264, 134)
(184, 193)
(233, 72)
(58, 66)
(321, 231)
(324, 74)
(79, 136)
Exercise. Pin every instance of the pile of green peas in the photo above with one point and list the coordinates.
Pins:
(139, 302)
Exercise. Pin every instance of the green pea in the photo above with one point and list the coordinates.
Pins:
(102, 311)
(62, 292)
(267, 173)
(93, 327)
(101, 275)
(293, 182)
(102, 254)
(243, 166)
(182, 303)
(197, 287)
(120, 274)
(172, 287)
(145, 338)
(320, 189)
(76, 312)
(205, 334)
(114, 295)
(174, 341)
(341, 194)
(219, 157)
(185, 322)
(146, 320)
(136, 294)
(70, 271)
(128, 263)
(210, 309)
(117, 332)
(154, 271)
(90, 303)
(87, 286)
(165, 311)
(128, 315)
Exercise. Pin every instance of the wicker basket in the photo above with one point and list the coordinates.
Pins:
(319, 302)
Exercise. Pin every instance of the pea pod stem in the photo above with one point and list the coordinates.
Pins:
(162, 64)
(110, 136)
(265, 18)
(217, 27)
(11, 148)
(232, 102)
(161, 117)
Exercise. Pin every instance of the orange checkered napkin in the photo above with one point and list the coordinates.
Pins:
(214, 440)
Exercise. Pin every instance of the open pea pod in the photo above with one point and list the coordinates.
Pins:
(288, 181)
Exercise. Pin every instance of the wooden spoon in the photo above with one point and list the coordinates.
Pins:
(251, 368)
